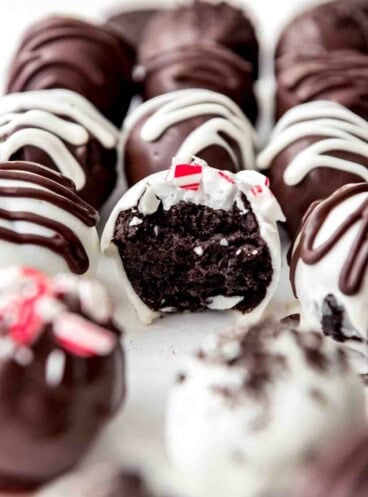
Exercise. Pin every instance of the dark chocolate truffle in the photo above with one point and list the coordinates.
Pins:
(187, 124)
(61, 130)
(131, 24)
(315, 149)
(342, 471)
(195, 238)
(43, 222)
(61, 375)
(329, 269)
(67, 53)
(322, 54)
(203, 45)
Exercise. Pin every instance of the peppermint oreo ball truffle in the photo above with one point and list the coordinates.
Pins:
(194, 238)
(186, 124)
(329, 269)
(61, 374)
(323, 55)
(201, 45)
(67, 53)
(256, 405)
(43, 222)
(342, 471)
(61, 130)
(314, 149)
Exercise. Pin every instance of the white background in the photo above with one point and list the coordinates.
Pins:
(154, 353)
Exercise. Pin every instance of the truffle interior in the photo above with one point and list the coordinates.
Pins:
(178, 259)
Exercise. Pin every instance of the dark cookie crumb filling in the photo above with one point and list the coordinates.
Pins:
(178, 259)
(334, 320)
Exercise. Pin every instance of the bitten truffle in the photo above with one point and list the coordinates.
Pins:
(43, 222)
(194, 238)
(314, 149)
(186, 124)
(61, 376)
(201, 45)
(328, 269)
(61, 130)
(66, 53)
(256, 405)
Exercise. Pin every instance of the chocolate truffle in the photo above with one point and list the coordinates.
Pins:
(61, 375)
(131, 24)
(256, 404)
(185, 124)
(315, 149)
(195, 238)
(201, 45)
(67, 53)
(329, 269)
(43, 222)
(342, 471)
(323, 54)
(61, 130)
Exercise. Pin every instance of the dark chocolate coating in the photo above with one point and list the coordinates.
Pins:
(323, 54)
(131, 25)
(341, 472)
(201, 46)
(218, 24)
(162, 266)
(98, 163)
(336, 25)
(62, 52)
(142, 158)
(45, 430)
(319, 184)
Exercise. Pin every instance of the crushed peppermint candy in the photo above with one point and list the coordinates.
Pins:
(31, 300)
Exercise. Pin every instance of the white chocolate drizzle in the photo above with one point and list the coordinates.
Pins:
(226, 119)
(339, 129)
(50, 120)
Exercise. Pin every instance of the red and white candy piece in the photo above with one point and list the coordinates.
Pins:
(186, 176)
(260, 189)
(23, 318)
(81, 337)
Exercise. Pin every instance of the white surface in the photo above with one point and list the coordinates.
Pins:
(154, 353)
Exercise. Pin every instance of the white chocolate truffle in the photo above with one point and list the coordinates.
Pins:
(43, 222)
(255, 406)
(166, 236)
(329, 269)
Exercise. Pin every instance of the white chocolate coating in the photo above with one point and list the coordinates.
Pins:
(258, 437)
(36, 255)
(215, 192)
(339, 129)
(314, 282)
(226, 119)
(51, 120)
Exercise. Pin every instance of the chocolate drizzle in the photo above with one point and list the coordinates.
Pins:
(62, 52)
(55, 190)
(187, 63)
(64, 242)
(356, 263)
(340, 76)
